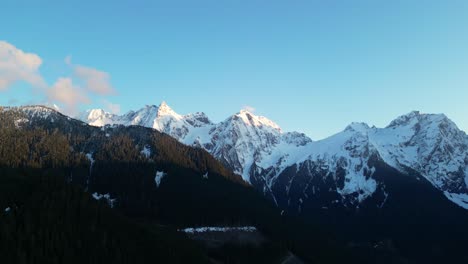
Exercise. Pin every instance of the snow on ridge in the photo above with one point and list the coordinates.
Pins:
(164, 109)
(257, 121)
(404, 118)
(245, 140)
(429, 144)
(96, 113)
(35, 111)
(254, 134)
(97, 117)
(349, 151)
(358, 127)
(218, 229)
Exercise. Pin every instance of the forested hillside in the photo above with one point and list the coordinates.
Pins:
(146, 176)
(45, 220)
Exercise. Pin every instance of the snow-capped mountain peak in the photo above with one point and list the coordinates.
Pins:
(358, 127)
(256, 148)
(256, 121)
(430, 144)
(96, 113)
(198, 119)
(415, 117)
(165, 110)
(405, 119)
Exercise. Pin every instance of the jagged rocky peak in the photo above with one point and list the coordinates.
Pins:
(165, 110)
(358, 127)
(198, 119)
(255, 121)
(256, 148)
(415, 117)
(95, 113)
(434, 129)
(405, 119)
(296, 138)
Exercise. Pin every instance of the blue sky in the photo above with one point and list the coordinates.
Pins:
(311, 66)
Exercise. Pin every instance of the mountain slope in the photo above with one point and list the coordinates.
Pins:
(148, 176)
(344, 184)
(260, 151)
(49, 221)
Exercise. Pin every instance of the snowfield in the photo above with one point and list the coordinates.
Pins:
(218, 229)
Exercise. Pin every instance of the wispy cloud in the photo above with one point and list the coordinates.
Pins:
(68, 92)
(248, 108)
(96, 81)
(17, 65)
(111, 107)
(68, 95)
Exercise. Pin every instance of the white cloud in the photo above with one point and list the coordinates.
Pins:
(110, 107)
(17, 65)
(68, 95)
(248, 108)
(96, 81)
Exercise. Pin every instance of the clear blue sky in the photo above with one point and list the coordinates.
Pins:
(311, 66)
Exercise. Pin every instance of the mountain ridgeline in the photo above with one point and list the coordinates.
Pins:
(256, 148)
(403, 187)
(365, 195)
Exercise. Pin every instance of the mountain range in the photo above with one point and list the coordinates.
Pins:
(74, 193)
(341, 170)
(365, 195)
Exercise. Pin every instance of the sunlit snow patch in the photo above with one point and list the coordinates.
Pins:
(460, 199)
(20, 122)
(146, 152)
(356, 182)
(107, 197)
(218, 229)
(159, 176)
(89, 156)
